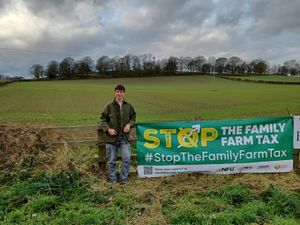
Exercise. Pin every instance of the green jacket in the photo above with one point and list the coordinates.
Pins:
(116, 117)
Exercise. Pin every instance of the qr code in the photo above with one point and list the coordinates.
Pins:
(148, 170)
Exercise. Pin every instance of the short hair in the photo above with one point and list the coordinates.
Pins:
(120, 87)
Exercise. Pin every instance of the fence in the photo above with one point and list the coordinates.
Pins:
(89, 135)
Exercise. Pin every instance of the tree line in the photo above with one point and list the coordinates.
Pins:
(147, 64)
(11, 78)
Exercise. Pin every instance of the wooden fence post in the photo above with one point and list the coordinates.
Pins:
(102, 152)
(296, 160)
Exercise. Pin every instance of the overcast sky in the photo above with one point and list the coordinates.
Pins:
(37, 31)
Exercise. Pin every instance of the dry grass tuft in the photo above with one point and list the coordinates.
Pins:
(31, 147)
(25, 146)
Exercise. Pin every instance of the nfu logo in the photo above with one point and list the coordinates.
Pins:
(226, 169)
(246, 168)
(262, 167)
(280, 166)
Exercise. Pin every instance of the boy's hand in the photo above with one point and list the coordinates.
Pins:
(126, 128)
(112, 132)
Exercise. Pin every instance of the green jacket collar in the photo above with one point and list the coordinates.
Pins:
(116, 103)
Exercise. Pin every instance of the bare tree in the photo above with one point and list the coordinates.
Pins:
(185, 63)
(242, 68)
(260, 66)
(212, 63)
(200, 60)
(283, 70)
(52, 69)
(220, 64)
(180, 64)
(148, 63)
(171, 65)
(292, 63)
(275, 69)
(233, 64)
(128, 62)
(85, 65)
(136, 63)
(122, 64)
(103, 64)
(292, 66)
(37, 71)
(192, 66)
(67, 67)
(206, 68)
(113, 63)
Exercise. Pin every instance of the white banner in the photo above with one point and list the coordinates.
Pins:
(257, 167)
(296, 132)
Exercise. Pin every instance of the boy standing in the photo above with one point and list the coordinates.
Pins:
(117, 118)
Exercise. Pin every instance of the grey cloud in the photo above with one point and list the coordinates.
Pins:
(50, 8)
(190, 12)
(3, 4)
(168, 18)
(249, 29)
(276, 16)
(231, 13)
(63, 7)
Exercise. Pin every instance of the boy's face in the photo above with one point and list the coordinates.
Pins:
(119, 95)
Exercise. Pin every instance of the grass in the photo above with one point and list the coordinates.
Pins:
(70, 198)
(155, 99)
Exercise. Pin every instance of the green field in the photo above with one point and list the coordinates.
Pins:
(79, 102)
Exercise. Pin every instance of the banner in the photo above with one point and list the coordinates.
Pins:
(229, 146)
(297, 132)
